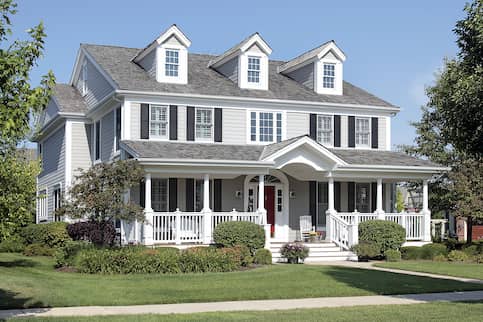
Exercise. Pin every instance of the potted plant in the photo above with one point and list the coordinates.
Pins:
(294, 252)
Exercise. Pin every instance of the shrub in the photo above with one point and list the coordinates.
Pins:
(385, 234)
(37, 249)
(454, 244)
(294, 252)
(208, 259)
(366, 250)
(457, 256)
(14, 244)
(263, 257)
(232, 233)
(242, 253)
(429, 251)
(392, 255)
(478, 258)
(98, 233)
(64, 256)
(52, 234)
(440, 258)
(411, 252)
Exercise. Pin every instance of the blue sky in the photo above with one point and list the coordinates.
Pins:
(393, 48)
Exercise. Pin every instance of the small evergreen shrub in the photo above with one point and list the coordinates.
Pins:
(53, 234)
(294, 252)
(473, 249)
(64, 256)
(366, 250)
(385, 234)
(392, 255)
(429, 251)
(14, 244)
(440, 258)
(38, 249)
(233, 233)
(98, 233)
(458, 256)
(208, 259)
(241, 252)
(263, 257)
(411, 253)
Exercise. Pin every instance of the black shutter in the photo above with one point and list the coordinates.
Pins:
(173, 194)
(337, 195)
(190, 198)
(190, 123)
(217, 191)
(351, 191)
(313, 126)
(144, 121)
(373, 196)
(173, 122)
(142, 194)
(337, 130)
(352, 132)
(218, 125)
(313, 201)
(374, 133)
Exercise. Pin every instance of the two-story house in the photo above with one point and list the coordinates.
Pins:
(236, 136)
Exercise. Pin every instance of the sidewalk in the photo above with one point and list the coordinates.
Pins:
(259, 305)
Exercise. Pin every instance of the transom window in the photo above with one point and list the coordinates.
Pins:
(172, 62)
(363, 132)
(324, 129)
(204, 124)
(265, 127)
(254, 69)
(158, 121)
(329, 76)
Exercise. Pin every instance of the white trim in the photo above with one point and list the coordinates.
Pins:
(332, 135)
(117, 110)
(126, 120)
(319, 74)
(243, 71)
(369, 144)
(83, 53)
(388, 133)
(97, 160)
(212, 137)
(257, 135)
(182, 77)
(159, 138)
(68, 153)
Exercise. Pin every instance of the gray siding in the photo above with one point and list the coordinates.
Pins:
(149, 63)
(299, 206)
(344, 131)
(50, 112)
(229, 201)
(344, 199)
(234, 126)
(107, 136)
(98, 86)
(81, 152)
(304, 75)
(297, 124)
(381, 124)
(230, 69)
(135, 121)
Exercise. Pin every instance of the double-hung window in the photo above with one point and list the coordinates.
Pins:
(324, 129)
(97, 140)
(204, 124)
(265, 127)
(328, 80)
(159, 194)
(158, 121)
(57, 202)
(363, 132)
(172, 62)
(253, 69)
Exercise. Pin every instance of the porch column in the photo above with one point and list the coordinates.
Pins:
(206, 210)
(426, 213)
(148, 212)
(262, 211)
(379, 209)
(330, 211)
(331, 194)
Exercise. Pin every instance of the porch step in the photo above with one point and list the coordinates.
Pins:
(318, 252)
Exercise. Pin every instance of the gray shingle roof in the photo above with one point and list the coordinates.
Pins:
(116, 61)
(377, 157)
(303, 57)
(69, 99)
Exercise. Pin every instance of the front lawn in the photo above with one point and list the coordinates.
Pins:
(468, 270)
(32, 282)
(415, 313)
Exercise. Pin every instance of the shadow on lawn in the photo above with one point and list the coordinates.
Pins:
(18, 263)
(10, 302)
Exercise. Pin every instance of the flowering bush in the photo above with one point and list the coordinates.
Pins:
(294, 252)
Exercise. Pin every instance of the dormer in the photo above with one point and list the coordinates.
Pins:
(166, 58)
(246, 64)
(319, 69)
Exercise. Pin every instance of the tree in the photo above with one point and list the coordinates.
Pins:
(399, 200)
(98, 193)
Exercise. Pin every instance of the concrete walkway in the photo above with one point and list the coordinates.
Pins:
(259, 305)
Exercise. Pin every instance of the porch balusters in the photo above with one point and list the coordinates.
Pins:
(148, 213)
(426, 214)
(207, 216)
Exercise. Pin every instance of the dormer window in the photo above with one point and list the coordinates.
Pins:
(329, 76)
(172, 63)
(253, 69)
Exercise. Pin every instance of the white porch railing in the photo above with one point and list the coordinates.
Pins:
(341, 232)
(189, 227)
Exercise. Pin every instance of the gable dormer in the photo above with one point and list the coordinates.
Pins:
(166, 58)
(320, 69)
(246, 64)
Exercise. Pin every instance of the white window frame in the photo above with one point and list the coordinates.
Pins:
(84, 87)
(159, 137)
(42, 204)
(259, 70)
(96, 160)
(57, 187)
(153, 198)
(333, 77)
(257, 126)
(359, 145)
(174, 50)
(212, 125)
(319, 130)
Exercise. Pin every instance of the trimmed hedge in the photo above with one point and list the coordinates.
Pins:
(14, 244)
(366, 250)
(233, 233)
(263, 257)
(37, 249)
(458, 256)
(53, 234)
(430, 251)
(411, 252)
(392, 255)
(98, 233)
(64, 256)
(385, 234)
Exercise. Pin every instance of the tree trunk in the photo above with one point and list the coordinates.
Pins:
(469, 232)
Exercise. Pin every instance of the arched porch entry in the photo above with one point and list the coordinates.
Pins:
(276, 192)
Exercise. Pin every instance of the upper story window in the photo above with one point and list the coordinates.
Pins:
(363, 132)
(204, 124)
(324, 129)
(329, 76)
(265, 127)
(158, 121)
(253, 69)
(172, 62)
(97, 140)
(118, 127)
(84, 78)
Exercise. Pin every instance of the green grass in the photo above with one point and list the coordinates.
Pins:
(468, 270)
(32, 282)
(415, 313)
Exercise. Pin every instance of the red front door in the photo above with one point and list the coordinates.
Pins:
(270, 206)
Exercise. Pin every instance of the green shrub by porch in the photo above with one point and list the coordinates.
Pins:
(366, 250)
(13, 244)
(37, 249)
(52, 234)
(263, 257)
(392, 255)
(430, 251)
(233, 233)
(385, 234)
(411, 252)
